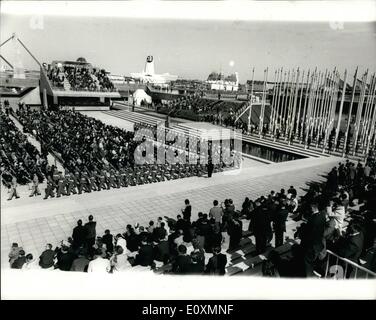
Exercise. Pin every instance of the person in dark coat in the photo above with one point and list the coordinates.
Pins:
(352, 246)
(312, 238)
(65, 259)
(210, 168)
(187, 211)
(217, 263)
(235, 231)
(279, 223)
(108, 240)
(79, 234)
(261, 228)
(90, 232)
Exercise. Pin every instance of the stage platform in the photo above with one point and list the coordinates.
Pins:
(33, 222)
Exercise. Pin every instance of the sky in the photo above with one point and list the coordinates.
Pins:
(190, 48)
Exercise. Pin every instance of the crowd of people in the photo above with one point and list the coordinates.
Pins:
(20, 161)
(80, 78)
(324, 210)
(181, 243)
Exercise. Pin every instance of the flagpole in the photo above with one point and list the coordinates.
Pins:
(315, 105)
(321, 108)
(300, 105)
(250, 107)
(367, 113)
(373, 121)
(284, 106)
(306, 98)
(261, 122)
(292, 122)
(331, 101)
(273, 104)
(291, 99)
(276, 116)
(309, 107)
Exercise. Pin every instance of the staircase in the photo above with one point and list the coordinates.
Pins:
(134, 117)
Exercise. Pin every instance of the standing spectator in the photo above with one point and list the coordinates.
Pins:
(210, 168)
(279, 223)
(91, 233)
(46, 259)
(312, 238)
(261, 228)
(217, 263)
(99, 264)
(187, 210)
(235, 231)
(216, 213)
(79, 234)
(352, 246)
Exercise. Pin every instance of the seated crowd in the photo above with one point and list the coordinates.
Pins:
(187, 246)
(81, 78)
(208, 110)
(20, 161)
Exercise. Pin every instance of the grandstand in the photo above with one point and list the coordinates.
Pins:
(77, 84)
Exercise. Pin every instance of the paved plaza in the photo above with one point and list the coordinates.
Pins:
(33, 222)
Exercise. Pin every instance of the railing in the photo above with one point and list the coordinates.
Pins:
(342, 268)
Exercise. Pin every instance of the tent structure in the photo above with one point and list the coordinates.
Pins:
(140, 95)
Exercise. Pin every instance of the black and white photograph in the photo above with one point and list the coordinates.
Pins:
(188, 150)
